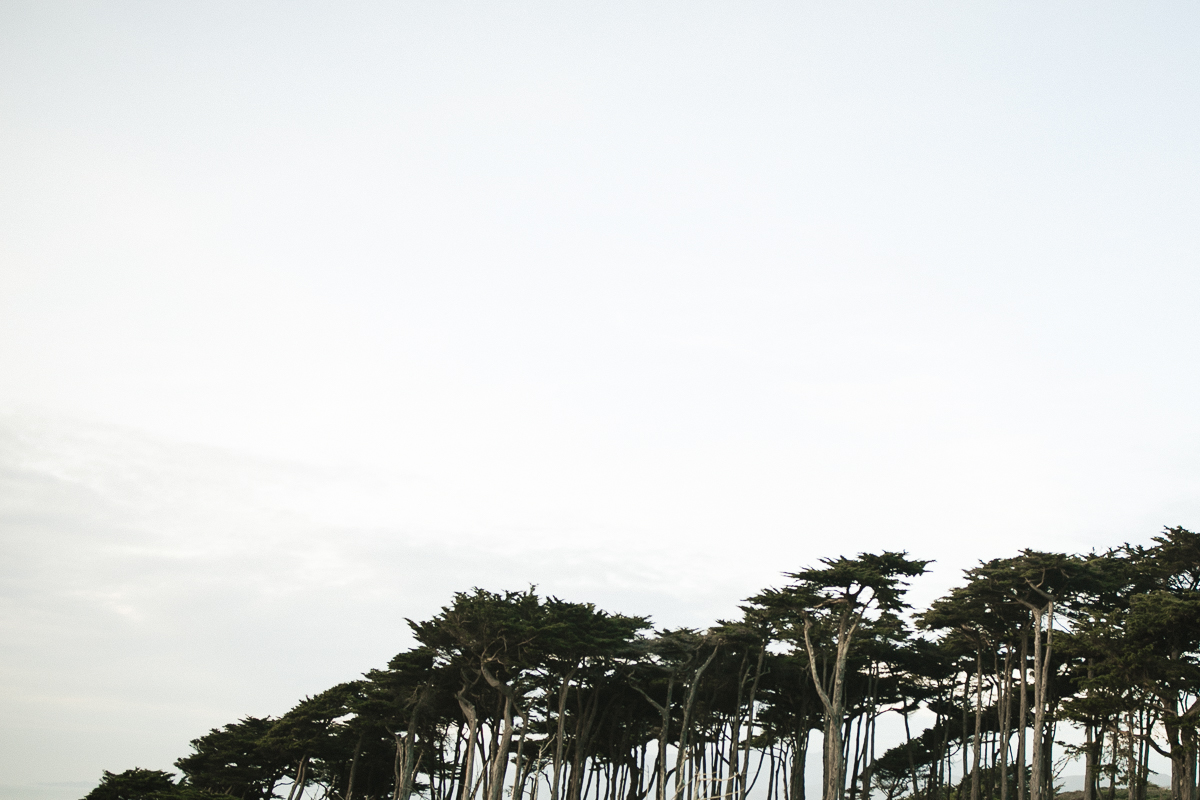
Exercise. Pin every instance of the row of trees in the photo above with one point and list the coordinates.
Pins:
(536, 697)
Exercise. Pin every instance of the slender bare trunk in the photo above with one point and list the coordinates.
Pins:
(353, 768)
(1089, 758)
(977, 746)
(799, 765)
(1006, 720)
(500, 756)
(298, 786)
(735, 731)
(758, 671)
(912, 764)
(466, 791)
(1041, 662)
(682, 754)
(833, 702)
(519, 777)
(556, 769)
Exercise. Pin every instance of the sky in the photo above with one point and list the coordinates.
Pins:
(312, 315)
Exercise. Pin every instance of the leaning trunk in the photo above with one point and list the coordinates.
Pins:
(681, 755)
(466, 789)
(500, 757)
(556, 769)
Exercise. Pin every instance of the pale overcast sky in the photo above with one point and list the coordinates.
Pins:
(313, 314)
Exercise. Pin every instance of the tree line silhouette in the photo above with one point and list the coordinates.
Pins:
(536, 698)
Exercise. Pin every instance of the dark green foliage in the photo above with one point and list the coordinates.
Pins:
(236, 760)
(133, 784)
(147, 784)
(509, 693)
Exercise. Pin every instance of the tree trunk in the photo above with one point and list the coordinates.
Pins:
(833, 702)
(1190, 773)
(799, 763)
(556, 769)
(682, 754)
(298, 785)
(1041, 661)
(353, 768)
(500, 756)
(519, 777)
(466, 791)
(582, 734)
(743, 789)
(1089, 761)
(962, 781)
(977, 745)
(912, 764)
(1006, 720)
(941, 776)
(1022, 782)
(1181, 743)
(858, 741)
(735, 732)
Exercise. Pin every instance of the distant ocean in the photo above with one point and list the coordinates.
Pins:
(61, 790)
(1074, 783)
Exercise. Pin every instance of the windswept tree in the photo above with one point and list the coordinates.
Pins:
(581, 650)
(489, 637)
(828, 605)
(316, 739)
(1164, 627)
(514, 643)
(980, 619)
(134, 784)
(236, 760)
(1040, 583)
(402, 704)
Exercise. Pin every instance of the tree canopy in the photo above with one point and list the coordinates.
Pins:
(512, 694)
